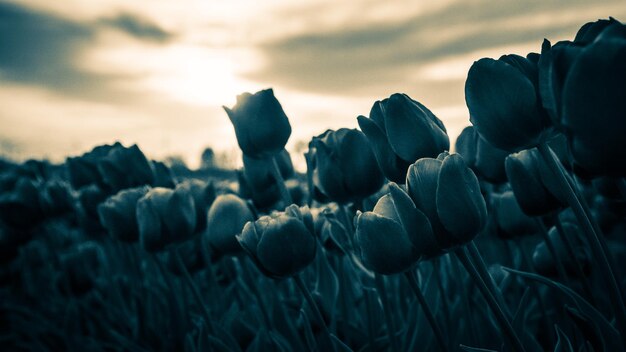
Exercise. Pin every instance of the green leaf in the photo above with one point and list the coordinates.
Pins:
(563, 344)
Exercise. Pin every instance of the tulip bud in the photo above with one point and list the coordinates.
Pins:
(118, 214)
(261, 126)
(281, 245)
(510, 219)
(165, 216)
(401, 131)
(503, 99)
(486, 160)
(83, 170)
(56, 198)
(342, 158)
(227, 217)
(594, 106)
(258, 180)
(162, 175)
(591, 30)
(203, 194)
(125, 167)
(531, 182)
(448, 193)
(392, 237)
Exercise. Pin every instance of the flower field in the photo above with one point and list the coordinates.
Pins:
(516, 241)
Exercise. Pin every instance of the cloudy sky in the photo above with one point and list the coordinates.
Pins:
(76, 73)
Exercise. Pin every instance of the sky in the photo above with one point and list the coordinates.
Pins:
(78, 73)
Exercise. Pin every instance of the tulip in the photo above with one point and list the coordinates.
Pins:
(81, 267)
(203, 194)
(56, 198)
(281, 245)
(448, 193)
(503, 100)
(227, 217)
(486, 160)
(401, 131)
(258, 182)
(165, 217)
(591, 30)
(83, 170)
(394, 235)
(532, 185)
(162, 175)
(341, 160)
(261, 126)
(191, 255)
(511, 221)
(118, 216)
(125, 168)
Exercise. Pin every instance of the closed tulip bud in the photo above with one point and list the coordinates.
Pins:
(118, 214)
(257, 181)
(401, 131)
(261, 126)
(503, 100)
(56, 198)
(203, 194)
(395, 235)
(165, 216)
(342, 159)
(510, 219)
(227, 216)
(281, 245)
(486, 160)
(21, 208)
(591, 30)
(83, 170)
(594, 106)
(448, 193)
(125, 167)
(531, 182)
(162, 175)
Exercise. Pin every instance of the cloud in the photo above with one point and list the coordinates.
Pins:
(45, 50)
(369, 57)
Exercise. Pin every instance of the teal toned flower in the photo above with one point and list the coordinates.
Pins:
(261, 126)
(124, 167)
(447, 192)
(401, 131)
(118, 216)
(394, 235)
(226, 219)
(344, 166)
(282, 244)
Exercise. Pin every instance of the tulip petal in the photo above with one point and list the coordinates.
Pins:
(384, 245)
(356, 156)
(460, 205)
(393, 167)
(149, 225)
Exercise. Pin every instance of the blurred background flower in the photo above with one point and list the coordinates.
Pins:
(80, 73)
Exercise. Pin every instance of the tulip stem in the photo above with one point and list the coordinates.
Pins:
(505, 324)
(194, 288)
(479, 264)
(316, 313)
(255, 291)
(391, 326)
(412, 278)
(280, 182)
(598, 248)
(577, 265)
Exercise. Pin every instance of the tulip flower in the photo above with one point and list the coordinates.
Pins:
(394, 235)
(530, 180)
(503, 100)
(81, 267)
(281, 245)
(83, 170)
(56, 198)
(162, 175)
(258, 182)
(345, 168)
(511, 221)
(165, 216)
(486, 160)
(124, 167)
(401, 131)
(203, 194)
(447, 192)
(118, 216)
(261, 126)
(227, 216)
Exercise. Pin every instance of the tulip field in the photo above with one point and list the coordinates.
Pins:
(513, 239)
